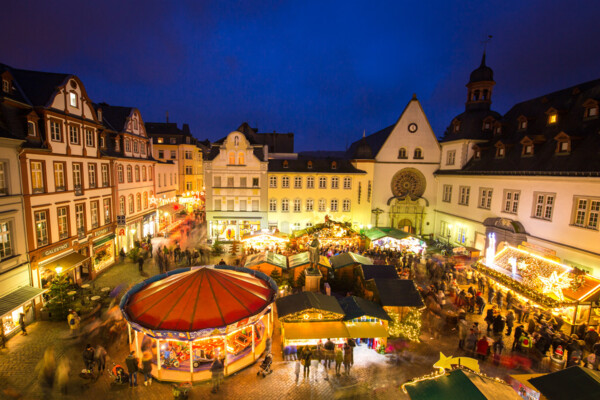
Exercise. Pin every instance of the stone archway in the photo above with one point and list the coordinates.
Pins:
(405, 225)
(407, 214)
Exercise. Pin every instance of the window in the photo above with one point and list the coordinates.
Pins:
(145, 200)
(591, 109)
(463, 198)
(334, 205)
(485, 198)
(451, 157)
(127, 145)
(73, 134)
(218, 205)
(369, 192)
(500, 151)
(135, 146)
(511, 201)
(322, 205)
(144, 175)
(188, 155)
(296, 226)
(298, 182)
(586, 213)
(254, 182)
(89, 138)
(92, 175)
(59, 176)
(188, 185)
(359, 191)
(231, 158)
(272, 181)
(241, 159)
(143, 148)
(563, 143)
(445, 229)
(347, 183)
(309, 224)
(73, 99)
(80, 219)
(217, 180)
(254, 205)
(77, 178)
(30, 128)
(230, 181)
(310, 182)
(161, 154)
(322, 182)
(160, 140)
(129, 174)
(447, 193)
(3, 179)
(346, 205)
(120, 173)
(55, 131)
(5, 240)
(230, 205)
(117, 145)
(285, 205)
(173, 154)
(138, 202)
(522, 123)
(297, 205)
(236, 140)
(273, 205)
(173, 140)
(37, 177)
(122, 205)
(335, 182)
(243, 205)
(552, 118)
(94, 214)
(285, 182)
(137, 173)
(243, 181)
(62, 214)
(5, 86)
(333, 165)
(309, 165)
(461, 234)
(402, 154)
(418, 154)
(131, 204)
(528, 149)
(188, 170)
(544, 203)
(150, 174)
(309, 205)
(105, 177)
(41, 228)
(107, 213)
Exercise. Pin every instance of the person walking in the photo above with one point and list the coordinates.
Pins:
(339, 360)
(147, 367)
(329, 347)
(297, 367)
(216, 370)
(306, 360)
(347, 358)
(141, 264)
(132, 363)
(22, 324)
(62, 375)
(100, 358)
(73, 321)
(462, 333)
(88, 357)
(510, 321)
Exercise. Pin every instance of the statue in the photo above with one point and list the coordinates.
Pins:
(313, 252)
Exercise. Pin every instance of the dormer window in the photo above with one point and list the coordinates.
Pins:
(159, 140)
(497, 128)
(402, 154)
(591, 109)
(522, 123)
(30, 128)
(5, 85)
(477, 154)
(563, 143)
(527, 144)
(173, 140)
(552, 118)
(73, 99)
(333, 165)
(285, 164)
(455, 126)
(500, 150)
(487, 124)
(309, 165)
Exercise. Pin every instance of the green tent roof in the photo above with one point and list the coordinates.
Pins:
(345, 259)
(378, 233)
(571, 383)
(461, 385)
(267, 257)
(300, 259)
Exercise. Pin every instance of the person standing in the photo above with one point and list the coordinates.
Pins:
(141, 264)
(329, 349)
(73, 321)
(101, 358)
(510, 321)
(147, 367)
(132, 363)
(297, 367)
(22, 324)
(216, 370)
(348, 356)
(306, 360)
(88, 357)
(2, 337)
(339, 360)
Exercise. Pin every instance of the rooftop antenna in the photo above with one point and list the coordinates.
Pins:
(167, 116)
(485, 43)
(364, 132)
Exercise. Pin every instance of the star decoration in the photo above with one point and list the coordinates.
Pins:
(554, 284)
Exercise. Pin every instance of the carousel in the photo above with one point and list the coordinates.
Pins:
(186, 318)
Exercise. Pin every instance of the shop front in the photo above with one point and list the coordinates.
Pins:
(233, 229)
(103, 251)
(260, 240)
(192, 201)
(16, 297)
(72, 264)
(149, 222)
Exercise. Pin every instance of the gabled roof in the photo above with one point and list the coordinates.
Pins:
(299, 302)
(378, 233)
(398, 293)
(345, 259)
(374, 140)
(356, 307)
(301, 259)
(379, 272)
(38, 88)
(114, 117)
(268, 257)
(569, 384)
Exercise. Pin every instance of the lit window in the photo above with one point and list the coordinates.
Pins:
(322, 205)
(272, 181)
(73, 99)
(511, 201)
(159, 140)
(41, 228)
(273, 205)
(37, 177)
(346, 205)
(131, 205)
(464, 193)
(552, 118)
(63, 225)
(586, 212)
(297, 205)
(5, 241)
(3, 179)
(544, 204)
(285, 205)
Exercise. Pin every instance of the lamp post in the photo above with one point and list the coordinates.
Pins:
(449, 233)
(377, 211)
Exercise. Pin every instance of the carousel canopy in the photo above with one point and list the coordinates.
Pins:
(345, 259)
(460, 385)
(356, 307)
(571, 383)
(197, 298)
(267, 257)
(301, 259)
(378, 233)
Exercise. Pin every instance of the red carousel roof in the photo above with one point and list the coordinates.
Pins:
(199, 299)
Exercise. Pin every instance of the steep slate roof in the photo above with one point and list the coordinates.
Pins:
(318, 165)
(37, 87)
(582, 160)
(114, 117)
(571, 383)
(277, 142)
(356, 307)
(471, 125)
(374, 140)
(306, 300)
(398, 293)
(379, 272)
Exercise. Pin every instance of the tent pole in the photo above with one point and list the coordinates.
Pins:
(191, 361)
(225, 363)
(253, 354)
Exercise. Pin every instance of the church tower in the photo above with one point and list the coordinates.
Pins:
(480, 87)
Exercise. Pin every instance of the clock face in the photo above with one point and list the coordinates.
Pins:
(408, 182)
(412, 127)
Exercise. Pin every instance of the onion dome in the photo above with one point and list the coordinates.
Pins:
(363, 150)
(483, 73)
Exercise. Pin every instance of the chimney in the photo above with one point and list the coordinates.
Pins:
(99, 114)
(186, 129)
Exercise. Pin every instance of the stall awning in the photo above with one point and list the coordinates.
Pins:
(17, 298)
(315, 330)
(378, 233)
(345, 259)
(367, 330)
(104, 240)
(67, 262)
(267, 257)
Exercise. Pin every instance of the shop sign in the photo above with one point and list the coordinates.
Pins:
(63, 246)
(101, 232)
(122, 232)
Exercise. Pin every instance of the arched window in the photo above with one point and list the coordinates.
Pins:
(150, 173)
(476, 95)
(418, 153)
(122, 205)
(145, 200)
(236, 140)
(231, 158)
(120, 173)
(138, 201)
(144, 177)
(137, 173)
(485, 94)
(129, 174)
(241, 159)
(402, 153)
(131, 205)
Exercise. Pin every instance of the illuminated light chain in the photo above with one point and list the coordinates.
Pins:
(554, 284)
(442, 372)
(408, 327)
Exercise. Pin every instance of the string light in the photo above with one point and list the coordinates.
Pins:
(408, 327)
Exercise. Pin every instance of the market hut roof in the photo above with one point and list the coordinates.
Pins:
(267, 257)
(198, 298)
(356, 307)
(398, 293)
(300, 302)
(345, 259)
(378, 233)
(460, 385)
(378, 271)
(300, 259)
(265, 236)
(567, 384)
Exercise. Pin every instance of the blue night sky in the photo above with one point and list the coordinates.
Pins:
(325, 70)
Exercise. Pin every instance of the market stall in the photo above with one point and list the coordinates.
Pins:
(365, 320)
(266, 262)
(301, 261)
(265, 240)
(334, 237)
(343, 265)
(565, 291)
(394, 239)
(187, 317)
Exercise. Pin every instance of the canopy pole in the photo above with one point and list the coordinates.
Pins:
(225, 362)
(129, 335)
(158, 356)
(253, 354)
(137, 345)
(191, 361)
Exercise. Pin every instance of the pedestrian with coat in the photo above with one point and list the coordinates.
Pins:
(339, 360)
(510, 321)
(22, 324)
(132, 364)
(100, 358)
(141, 264)
(216, 370)
(147, 367)
(306, 360)
(73, 321)
(348, 358)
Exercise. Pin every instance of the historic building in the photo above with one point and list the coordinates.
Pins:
(531, 175)
(235, 171)
(128, 148)
(67, 186)
(167, 203)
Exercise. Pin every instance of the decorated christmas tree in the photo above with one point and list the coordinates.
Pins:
(408, 327)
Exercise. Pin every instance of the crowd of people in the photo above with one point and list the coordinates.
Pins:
(323, 355)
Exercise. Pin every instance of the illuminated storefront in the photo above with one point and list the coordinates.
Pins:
(216, 311)
(232, 229)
